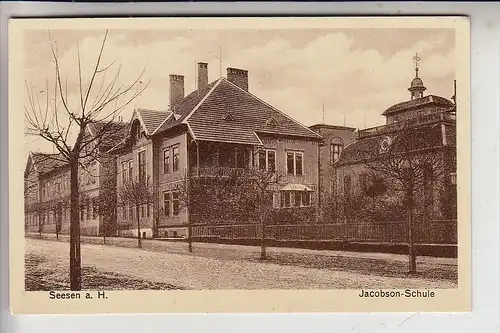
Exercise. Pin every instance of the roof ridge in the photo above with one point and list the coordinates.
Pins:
(217, 82)
(163, 122)
(272, 107)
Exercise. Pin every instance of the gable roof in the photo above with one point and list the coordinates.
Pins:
(203, 113)
(44, 163)
(418, 103)
(152, 119)
(187, 105)
(113, 132)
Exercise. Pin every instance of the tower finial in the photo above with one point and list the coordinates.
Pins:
(417, 85)
(417, 59)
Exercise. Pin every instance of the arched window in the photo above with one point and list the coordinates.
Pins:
(336, 146)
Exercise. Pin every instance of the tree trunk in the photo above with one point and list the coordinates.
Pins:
(75, 264)
(139, 243)
(411, 246)
(263, 255)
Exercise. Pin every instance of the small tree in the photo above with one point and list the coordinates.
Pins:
(240, 194)
(106, 205)
(62, 119)
(136, 193)
(409, 161)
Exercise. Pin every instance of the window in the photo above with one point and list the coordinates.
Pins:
(143, 213)
(175, 158)
(285, 199)
(124, 212)
(93, 176)
(124, 171)
(294, 163)
(166, 160)
(131, 212)
(130, 171)
(306, 198)
(347, 187)
(166, 203)
(94, 210)
(295, 199)
(175, 203)
(142, 165)
(147, 210)
(336, 146)
(267, 160)
(87, 205)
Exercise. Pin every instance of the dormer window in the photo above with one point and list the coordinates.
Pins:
(228, 116)
(271, 122)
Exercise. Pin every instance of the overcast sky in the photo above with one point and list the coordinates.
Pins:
(356, 73)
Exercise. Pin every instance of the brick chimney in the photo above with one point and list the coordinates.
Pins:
(202, 75)
(239, 77)
(176, 90)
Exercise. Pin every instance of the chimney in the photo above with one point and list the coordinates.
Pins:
(202, 75)
(176, 90)
(239, 77)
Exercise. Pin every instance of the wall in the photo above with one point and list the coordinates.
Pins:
(169, 181)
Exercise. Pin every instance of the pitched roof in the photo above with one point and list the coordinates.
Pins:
(112, 132)
(44, 163)
(185, 107)
(418, 103)
(368, 148)
(152, 119)
(204, 113)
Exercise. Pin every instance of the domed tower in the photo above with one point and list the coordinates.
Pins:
(417, 85)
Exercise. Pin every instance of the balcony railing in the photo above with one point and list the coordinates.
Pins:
(216, 171)
(422, 120)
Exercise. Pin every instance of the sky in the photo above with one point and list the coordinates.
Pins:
(351, 74)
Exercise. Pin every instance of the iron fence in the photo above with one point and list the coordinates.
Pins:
(429, 232)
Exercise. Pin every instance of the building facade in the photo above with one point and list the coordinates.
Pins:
(47, 186)
(214, 131)
(431, 119)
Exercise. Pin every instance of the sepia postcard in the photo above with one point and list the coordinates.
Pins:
(292, 164)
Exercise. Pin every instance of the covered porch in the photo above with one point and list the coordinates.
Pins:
(219, 159)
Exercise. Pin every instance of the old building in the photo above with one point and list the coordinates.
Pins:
(432, 119)
(216, 129)
(335, 138)
(47, 186)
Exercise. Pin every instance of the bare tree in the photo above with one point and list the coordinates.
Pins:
(52, 116)
(138, 194)
(410, 161)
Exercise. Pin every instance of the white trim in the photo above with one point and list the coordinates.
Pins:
(294, 152)
(260, 141)
(266, 150)
(202, 101)
(163, 122)
(272, 107)
(116, 145)
(138, 116)
(191, 131)
(224, 141)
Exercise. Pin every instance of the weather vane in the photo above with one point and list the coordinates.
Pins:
(417, 59)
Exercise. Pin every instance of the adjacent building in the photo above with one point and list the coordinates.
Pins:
(434, 117)
(47, 186)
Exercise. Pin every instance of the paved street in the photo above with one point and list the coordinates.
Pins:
(215, 266)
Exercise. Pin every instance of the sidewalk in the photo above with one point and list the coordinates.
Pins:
(381, 264)
(181, 271)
